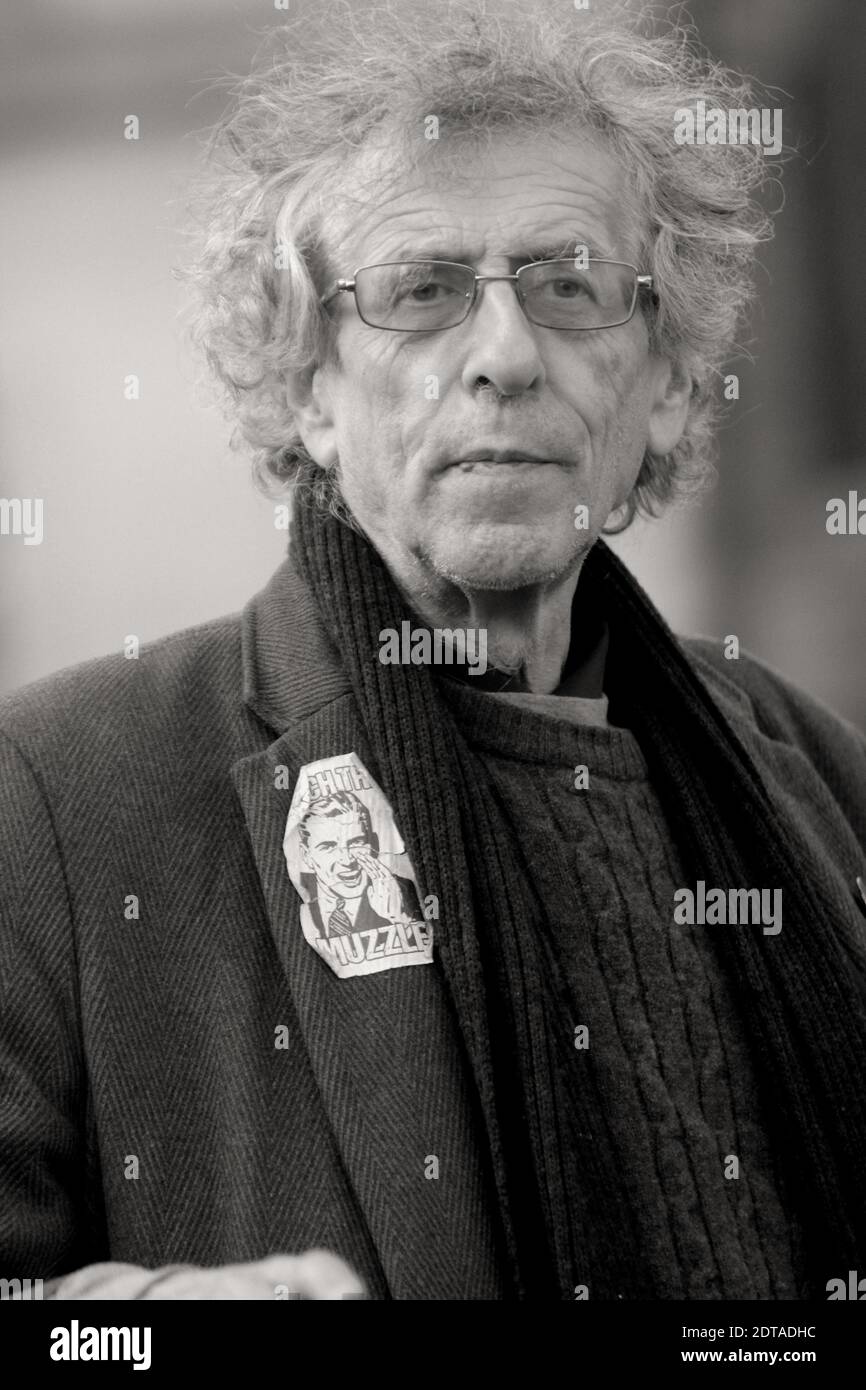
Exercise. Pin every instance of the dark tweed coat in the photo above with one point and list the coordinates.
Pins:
(153, 1037)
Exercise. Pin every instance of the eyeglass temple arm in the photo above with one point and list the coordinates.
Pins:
(332, 293)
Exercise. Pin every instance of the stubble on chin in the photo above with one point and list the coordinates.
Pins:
(496, 570)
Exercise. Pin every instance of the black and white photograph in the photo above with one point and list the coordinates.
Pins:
(433, 534)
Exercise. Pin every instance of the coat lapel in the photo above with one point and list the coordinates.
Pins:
(385, 1048)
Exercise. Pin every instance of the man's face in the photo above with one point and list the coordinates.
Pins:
(401, 410)
(328, 853)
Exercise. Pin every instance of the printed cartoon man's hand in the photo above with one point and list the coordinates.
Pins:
(383, 890)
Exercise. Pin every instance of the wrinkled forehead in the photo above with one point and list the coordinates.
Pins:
(532, 193)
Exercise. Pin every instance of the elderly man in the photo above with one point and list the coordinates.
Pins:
(470, 298)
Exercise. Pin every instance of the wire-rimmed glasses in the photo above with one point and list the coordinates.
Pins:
(421, 296)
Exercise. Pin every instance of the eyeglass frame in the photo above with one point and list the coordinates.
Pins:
(347, 284)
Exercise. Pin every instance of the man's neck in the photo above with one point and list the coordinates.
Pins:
(528, 629)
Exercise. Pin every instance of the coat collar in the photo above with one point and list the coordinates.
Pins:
(291, 668)
(385, 1050)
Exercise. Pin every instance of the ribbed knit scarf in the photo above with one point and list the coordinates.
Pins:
(558, 1181)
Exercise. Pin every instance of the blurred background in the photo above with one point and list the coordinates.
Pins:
(151, 522)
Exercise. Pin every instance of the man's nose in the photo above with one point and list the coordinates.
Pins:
(502, 345)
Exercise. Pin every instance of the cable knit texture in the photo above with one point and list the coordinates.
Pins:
(664, 1011)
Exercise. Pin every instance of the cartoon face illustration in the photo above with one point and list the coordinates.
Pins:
(331, 831)
(345, 846)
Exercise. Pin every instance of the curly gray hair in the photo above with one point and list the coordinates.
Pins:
(281, 155)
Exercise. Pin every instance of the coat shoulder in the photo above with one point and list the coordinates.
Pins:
(780, 708)
(775, 712)
(191, 678)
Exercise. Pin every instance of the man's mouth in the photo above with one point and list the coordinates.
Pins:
(351, 877)
(485, 455)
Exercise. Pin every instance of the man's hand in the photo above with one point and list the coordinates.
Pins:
(317, 1274)
(383, 890)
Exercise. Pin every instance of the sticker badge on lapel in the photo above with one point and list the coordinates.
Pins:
(360, 902)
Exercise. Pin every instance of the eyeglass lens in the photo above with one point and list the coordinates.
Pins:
(418, 296)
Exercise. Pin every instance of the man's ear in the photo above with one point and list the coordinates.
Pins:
(669, 407)
(309, 396)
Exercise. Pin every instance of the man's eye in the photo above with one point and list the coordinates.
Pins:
(429, 292)
(564, 287)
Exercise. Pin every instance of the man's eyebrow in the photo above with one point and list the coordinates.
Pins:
(416, 251)
(565, 250)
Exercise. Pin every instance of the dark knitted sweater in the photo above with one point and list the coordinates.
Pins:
(651, 994)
